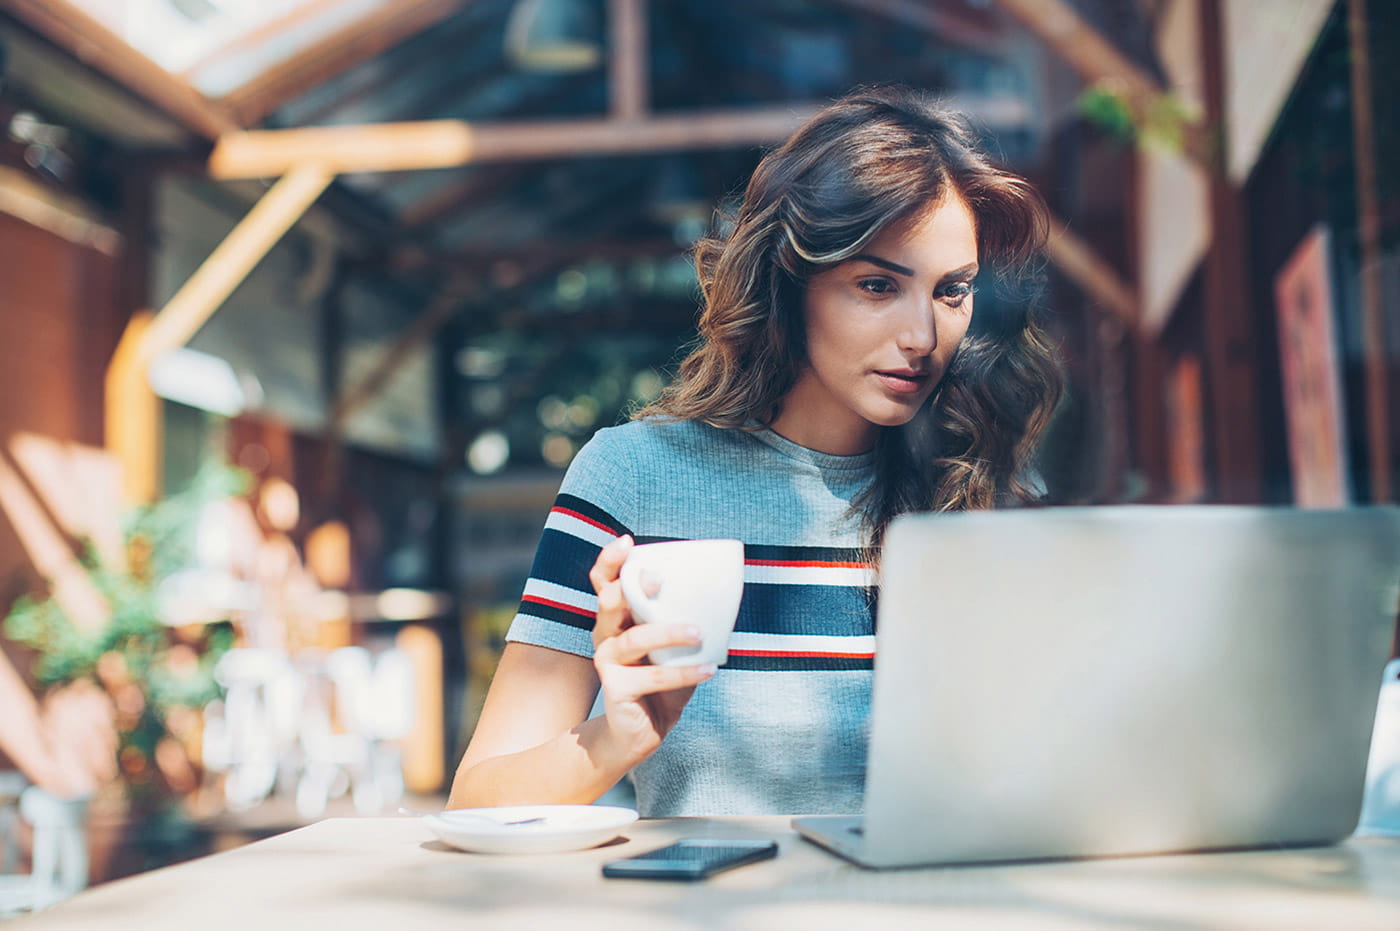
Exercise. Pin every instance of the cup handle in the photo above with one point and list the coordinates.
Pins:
(632, 588)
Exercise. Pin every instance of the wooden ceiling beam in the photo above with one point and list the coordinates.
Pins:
(1092, 273)
(435, 91)
(1083, 48)
(450, 143)
(229, 263)
(359, 41)
(298, 16)
(88, 40)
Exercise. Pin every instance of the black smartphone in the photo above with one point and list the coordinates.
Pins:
(695, 858)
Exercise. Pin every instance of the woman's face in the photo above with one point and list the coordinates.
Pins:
(882, 328)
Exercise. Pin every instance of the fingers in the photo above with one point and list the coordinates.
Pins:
(632, 645)
(628, 683)
(613, 614)
(609, 563)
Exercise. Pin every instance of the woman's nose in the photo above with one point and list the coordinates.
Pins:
(919, 328)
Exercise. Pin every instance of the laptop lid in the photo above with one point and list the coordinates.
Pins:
(1096, 681)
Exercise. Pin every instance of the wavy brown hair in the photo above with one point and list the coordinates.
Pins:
(873, 158)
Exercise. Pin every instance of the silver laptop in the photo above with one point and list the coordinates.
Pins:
(1101, 681)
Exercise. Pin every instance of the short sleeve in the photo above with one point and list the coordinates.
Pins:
(596, 504)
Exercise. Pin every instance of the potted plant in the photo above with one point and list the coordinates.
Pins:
(158, 676)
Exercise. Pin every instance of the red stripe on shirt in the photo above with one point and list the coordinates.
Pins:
(587, 520)
(801, 653)
(805, 564)
(572, 609)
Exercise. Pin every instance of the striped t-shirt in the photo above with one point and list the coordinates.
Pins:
(782, 728)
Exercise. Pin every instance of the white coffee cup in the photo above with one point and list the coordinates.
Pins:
(693, 582)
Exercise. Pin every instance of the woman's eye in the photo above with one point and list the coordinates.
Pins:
(876, 285)
(955, 294)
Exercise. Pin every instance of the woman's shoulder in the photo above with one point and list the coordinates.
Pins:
(667, 437)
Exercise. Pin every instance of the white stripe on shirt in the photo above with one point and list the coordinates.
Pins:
(575, 527)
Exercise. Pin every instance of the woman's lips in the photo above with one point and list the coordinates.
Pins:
(903, 382)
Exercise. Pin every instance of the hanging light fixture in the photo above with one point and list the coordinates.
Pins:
(554, 35)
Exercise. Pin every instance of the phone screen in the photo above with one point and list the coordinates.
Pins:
(695, 858)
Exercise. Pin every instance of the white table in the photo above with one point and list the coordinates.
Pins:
(389, 874)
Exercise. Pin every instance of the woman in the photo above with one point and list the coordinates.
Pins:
(841, 378)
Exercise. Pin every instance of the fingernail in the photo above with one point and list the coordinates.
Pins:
(708, 671)
(693, 634)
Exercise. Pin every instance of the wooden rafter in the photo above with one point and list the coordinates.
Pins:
(359, 41)
(92, 43)
(258, 36)
(428, 50)
(451, 199)
(1373, 322)
(1231, 345)
(230, 262)
(1086, 268)
(1082, 47)
(450, 143)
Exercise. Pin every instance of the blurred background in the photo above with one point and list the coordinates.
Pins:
(305, 306)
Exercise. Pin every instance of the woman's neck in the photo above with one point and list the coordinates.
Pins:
(836, 436)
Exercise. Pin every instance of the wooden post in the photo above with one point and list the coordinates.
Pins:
(1230, 346)
(424, 766)
(627, 58)
(133, 413)
(1369, 233)
(133, 418)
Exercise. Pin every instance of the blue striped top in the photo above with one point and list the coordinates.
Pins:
(783, 727)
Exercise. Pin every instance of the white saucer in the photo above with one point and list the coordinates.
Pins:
(564, 827)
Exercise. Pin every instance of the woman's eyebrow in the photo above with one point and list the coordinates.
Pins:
(884, 263)
(967, 271)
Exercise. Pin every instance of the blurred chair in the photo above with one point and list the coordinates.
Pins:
(250, 736)
(12, 786)
(373, 704)
(60, 859)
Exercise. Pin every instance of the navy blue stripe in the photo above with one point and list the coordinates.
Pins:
(802, 553)
(559, 615)
(564, 559)
(798, 663)
(828, 610)
(592, 511)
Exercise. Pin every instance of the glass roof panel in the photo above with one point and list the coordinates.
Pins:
(219, 45)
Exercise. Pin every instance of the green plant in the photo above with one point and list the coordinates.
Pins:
(157, 676)
(1163, 124)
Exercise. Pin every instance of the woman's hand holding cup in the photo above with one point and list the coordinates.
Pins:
(643, 700)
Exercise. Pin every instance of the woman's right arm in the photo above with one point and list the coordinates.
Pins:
(534, 743)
